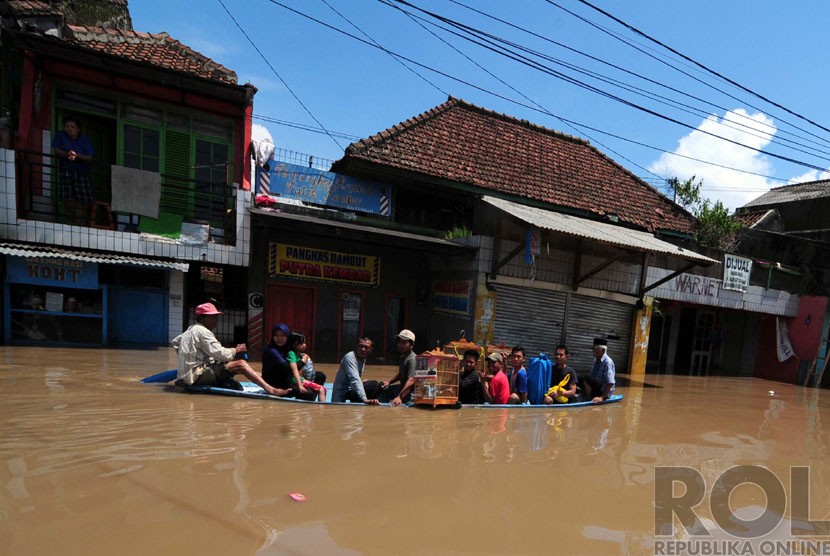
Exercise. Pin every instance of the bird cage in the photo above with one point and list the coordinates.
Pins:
(436, 379)
(458, 347)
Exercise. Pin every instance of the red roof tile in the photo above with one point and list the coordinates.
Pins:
(465, 143)
(157, 49)
(752, 218)
(28, 8)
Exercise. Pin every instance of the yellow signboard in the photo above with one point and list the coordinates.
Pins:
(293, 261)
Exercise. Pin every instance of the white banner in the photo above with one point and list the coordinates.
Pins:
(736, 271)
(785, 348)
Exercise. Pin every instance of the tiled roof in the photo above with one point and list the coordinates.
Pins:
(28, 8)
(790, 193)
(157, 49)
(464, 143)
(749, 219)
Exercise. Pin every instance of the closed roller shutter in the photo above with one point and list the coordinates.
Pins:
(529, 317)
(593, 317)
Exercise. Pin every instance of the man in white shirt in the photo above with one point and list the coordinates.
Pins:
(204, 362)
(348, 384)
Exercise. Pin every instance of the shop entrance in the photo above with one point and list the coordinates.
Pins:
(351, 320)
(294, 306)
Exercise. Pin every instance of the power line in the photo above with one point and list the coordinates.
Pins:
(261, 55)
(540, 67)
(622, 69)
(702, 66)
(306, 127)
(518, 103)
(439, 89)
(749, 130)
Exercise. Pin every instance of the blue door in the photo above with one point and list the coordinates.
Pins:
(139, 317)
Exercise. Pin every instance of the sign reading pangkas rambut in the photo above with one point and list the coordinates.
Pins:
(324, 188)
(736, 271)
(293, 261)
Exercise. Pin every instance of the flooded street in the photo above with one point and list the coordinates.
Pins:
(93, 462)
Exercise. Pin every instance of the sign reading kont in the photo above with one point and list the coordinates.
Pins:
(53, 271)
(294, 261)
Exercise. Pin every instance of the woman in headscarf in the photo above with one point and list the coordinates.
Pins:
(275, 368)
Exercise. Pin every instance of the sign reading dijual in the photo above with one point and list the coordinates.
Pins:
(321, 264)
(327, 188)
(736, 271)
(452, 296)
(53, 271)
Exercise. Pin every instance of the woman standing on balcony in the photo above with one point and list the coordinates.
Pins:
(74, 152)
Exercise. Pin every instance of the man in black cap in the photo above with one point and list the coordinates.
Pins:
(599, 384)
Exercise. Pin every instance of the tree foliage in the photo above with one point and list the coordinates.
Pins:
(715, 228)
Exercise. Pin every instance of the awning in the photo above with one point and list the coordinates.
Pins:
(394, 235)
(22, 250)
(609, 234)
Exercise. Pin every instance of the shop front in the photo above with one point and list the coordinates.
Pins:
(58, 297)
(336, 282)
(706, 325)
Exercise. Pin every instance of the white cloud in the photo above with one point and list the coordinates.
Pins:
(732, 188)
(812, 175)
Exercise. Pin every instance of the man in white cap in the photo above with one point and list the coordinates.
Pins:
(204, 362)
(399, 394)
(599, 384)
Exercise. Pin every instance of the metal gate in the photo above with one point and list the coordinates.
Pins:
(529, 317)
(540, 319)
(594, 317)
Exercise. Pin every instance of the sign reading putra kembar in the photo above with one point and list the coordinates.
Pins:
(736, 271)
(292, 181)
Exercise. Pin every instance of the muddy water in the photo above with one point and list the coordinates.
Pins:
(92, 462)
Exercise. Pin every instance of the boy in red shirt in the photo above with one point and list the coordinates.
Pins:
(494, 384)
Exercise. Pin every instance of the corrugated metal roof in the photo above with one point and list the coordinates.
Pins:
(792, 193)
(22, 250)
(597, 231)
(359, 227)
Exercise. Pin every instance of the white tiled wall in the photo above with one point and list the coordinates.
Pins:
(175, 301)
(11, 228)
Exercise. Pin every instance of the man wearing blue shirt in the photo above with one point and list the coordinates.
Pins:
(518, 376)
(74, 153)
(599, 384)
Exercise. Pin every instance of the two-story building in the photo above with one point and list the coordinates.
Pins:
(166, 223)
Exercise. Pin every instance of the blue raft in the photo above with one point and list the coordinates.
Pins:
(251, 390)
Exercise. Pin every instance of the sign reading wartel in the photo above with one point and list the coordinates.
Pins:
(293, 261)
(736, 271)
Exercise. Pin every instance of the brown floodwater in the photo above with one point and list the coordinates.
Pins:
(93, 462)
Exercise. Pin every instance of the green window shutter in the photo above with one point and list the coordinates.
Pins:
(176, 193)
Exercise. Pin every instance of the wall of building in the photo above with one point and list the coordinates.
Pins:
(64, 235)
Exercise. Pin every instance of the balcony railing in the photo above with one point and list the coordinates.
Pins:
(183, 200)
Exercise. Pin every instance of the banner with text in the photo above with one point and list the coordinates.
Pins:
(452, 296)
(736, 271)
(296, 182)
(292, 261)
(53, 271)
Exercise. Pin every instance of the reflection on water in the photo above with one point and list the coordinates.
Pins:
(93, 461)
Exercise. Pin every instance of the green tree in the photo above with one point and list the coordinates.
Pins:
(715, 227)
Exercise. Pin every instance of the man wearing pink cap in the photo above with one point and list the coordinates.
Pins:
(204, 362)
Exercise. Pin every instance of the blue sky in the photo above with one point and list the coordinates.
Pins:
(355, 89)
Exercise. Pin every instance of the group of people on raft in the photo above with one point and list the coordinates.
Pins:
(287, 370)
